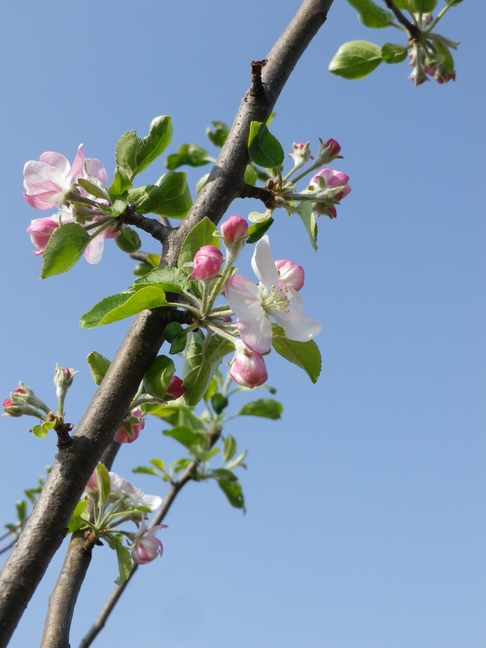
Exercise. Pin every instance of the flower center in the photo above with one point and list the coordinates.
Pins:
(274, 299)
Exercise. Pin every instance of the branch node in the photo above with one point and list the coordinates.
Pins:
(63, 439)
(257, 89)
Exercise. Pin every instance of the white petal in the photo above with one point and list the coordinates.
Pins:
(263, 264)
(297, 325)
(256, 332)
(94, 250)
(243, 297)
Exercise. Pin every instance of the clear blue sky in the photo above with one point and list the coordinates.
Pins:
(365, 519)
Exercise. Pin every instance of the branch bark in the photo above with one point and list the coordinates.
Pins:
(73, 466)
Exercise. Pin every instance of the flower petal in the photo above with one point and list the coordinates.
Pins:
(263, 264)
(94, 250)
(256, 332)
(297, 325)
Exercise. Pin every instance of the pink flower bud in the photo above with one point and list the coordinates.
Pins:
(11, 409)
(234, 229)
(333, 178)
(207, 263)
(328, 150)
(130, 429)
(176, 387)
(301, 154)
(92, 485)
(147, 547)
(248, 368)
(41, 230)
(291, 274)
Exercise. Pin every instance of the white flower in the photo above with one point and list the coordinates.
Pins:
(271, 297)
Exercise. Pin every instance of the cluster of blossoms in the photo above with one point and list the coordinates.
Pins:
(275, 295)
(50, 182)
(124, 503)
(431, 57)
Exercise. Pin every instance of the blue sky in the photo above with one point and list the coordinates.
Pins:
(365, 502)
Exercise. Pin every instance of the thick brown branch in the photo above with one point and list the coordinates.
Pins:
(73, 466)
(267, 198)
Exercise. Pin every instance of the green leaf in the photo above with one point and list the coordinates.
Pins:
(176, 195)
(118, 307)
(219, 134)
(104, 482)
(158, 376)
(237, 462)
(64, 249)
(233, 491)
(263, 148)
(264, 407)
(133, 154)
(371, 15)
(196, 442)
(158, 463)
(444, 56)
(98, 365)
(218, 401)
(190, 154)
(304, 211)
(78, 518)
(355, 60)
(124, 563)
(401, 4)
(202, 361)
(250, 176)
(305, 355)
(128, 240)
(421, 6)
(229, 448)
(168, 279)
(42, 430)
(392, 53)
(255, 232)
(21, 508)
(201, 234)
(145, 470)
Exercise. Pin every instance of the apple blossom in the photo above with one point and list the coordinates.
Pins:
(207, 263)
(131, 426)
(254, 304)
(234, 230)
(41, 230)
(328, 150)
(146, 547)
(248, 368)
(136, 497)
(48, 180)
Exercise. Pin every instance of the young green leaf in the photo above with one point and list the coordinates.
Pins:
(124, 563)
(392, 53)
(98, 365)
(177, 199)
(421, 6)
(233, 491)
(196, 442)
(371, 15)
(305, 355)
(189, 154)
(118, 307)
(201, 234)
(219, 134)
(304, 211)
(158, 376)
(202, 361)
(355, 60)
(64, 249)
(255, 232)
(264, 407)
(133, 154)
(229, 448)
(169, 279)
(263, 148)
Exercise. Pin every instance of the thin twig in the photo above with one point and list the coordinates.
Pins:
(413, 30)
(112, 600)
(150, 225)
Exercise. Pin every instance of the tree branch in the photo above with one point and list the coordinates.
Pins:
(150, 225)
(73, 466)
(65, 594)
(412, 29)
